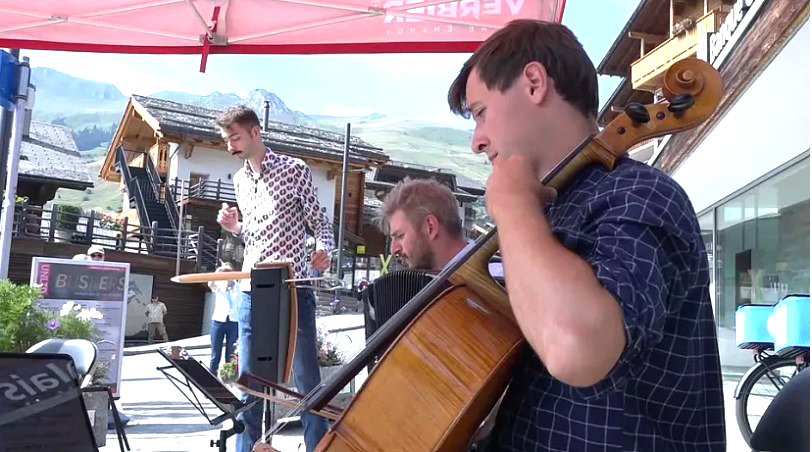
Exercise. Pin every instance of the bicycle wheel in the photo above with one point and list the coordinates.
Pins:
(758, 388)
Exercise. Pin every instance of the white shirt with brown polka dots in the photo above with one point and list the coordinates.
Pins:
(276, 205)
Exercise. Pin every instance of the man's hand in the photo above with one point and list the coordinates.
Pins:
(320, 261)
(513, 187)
(227, 217)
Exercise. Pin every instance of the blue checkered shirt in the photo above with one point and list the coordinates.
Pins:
(637, 229)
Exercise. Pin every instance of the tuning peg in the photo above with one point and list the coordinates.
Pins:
(637, 112)
(681, 103)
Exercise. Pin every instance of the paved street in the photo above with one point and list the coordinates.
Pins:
(162, 420)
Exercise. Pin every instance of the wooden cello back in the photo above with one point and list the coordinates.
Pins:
(454, 350)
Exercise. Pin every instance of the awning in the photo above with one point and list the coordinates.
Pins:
(261, 26)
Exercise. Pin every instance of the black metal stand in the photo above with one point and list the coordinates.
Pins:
(194, 374)
(220, 444)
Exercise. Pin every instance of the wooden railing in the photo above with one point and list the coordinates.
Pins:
(647, 71)
(159, 157)
(163, 194)
(205, 189)
(53, 225)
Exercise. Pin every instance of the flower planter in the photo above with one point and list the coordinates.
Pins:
(96, 404)
(63, 235)
(344, 397)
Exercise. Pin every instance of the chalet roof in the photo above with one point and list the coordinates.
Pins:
(191, 120)
(50, 153)
(472, 186)
(650, 17)
(464, 188)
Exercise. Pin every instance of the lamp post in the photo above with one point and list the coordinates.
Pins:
(12, 72)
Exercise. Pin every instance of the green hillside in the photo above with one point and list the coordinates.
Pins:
(104, 196)
(425, 144)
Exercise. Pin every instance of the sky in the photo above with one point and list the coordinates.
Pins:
(403, 86)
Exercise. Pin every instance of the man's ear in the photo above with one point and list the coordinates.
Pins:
(431, 226)
(536, 80)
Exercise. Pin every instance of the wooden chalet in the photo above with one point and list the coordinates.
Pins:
(169, 158)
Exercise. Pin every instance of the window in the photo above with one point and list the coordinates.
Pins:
(706, 229)
(762, 243)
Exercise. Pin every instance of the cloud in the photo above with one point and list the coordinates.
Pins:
(344, 111)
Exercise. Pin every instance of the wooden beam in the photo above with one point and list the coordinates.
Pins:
(139, 142)
(649, 38)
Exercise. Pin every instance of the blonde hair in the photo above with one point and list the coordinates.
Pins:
(418, 198)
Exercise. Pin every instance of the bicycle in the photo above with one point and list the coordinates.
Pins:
(767, 376)
(775, 363)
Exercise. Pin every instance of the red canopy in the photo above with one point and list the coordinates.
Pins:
(261, 26)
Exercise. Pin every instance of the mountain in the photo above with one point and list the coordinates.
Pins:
(62, 94)
(91, 108)
(177, 96)
(255, 99)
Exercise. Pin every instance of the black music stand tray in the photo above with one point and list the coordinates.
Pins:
(195, 374)
(40, 417)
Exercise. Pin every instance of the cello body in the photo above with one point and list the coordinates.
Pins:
(452, 360)
(453, 382)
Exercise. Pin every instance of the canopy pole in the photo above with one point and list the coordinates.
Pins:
(24, 73)
(341, 218)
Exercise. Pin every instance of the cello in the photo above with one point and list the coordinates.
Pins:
(450, 352)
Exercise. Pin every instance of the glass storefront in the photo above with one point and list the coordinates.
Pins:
(758, 245)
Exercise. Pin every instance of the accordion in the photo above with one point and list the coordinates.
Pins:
(385, 296)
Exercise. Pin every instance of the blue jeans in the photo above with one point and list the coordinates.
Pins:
(306, 375)
(220, 330)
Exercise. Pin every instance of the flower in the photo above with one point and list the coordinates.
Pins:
(88, 314)
(108, 222)
(53, 324)
(66, 308)
(328, 353)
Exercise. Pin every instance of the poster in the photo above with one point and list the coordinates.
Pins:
(138, 298)
(99, 285)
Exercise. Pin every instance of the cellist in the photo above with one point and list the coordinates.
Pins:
(608, 278)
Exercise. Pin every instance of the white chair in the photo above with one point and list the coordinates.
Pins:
(83, 352)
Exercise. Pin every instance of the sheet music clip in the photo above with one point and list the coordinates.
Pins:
(194, 374)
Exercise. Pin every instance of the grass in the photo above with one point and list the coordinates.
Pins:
(103, 197)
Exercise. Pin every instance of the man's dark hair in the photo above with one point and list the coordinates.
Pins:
(239, 114)
(501, 59)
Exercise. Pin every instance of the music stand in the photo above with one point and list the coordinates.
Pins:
(195, 374)
(41, 404)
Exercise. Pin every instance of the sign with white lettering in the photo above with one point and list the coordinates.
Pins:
(89, 285)
(41, 405)
(739, 17)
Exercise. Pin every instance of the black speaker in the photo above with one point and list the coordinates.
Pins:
(272, 320)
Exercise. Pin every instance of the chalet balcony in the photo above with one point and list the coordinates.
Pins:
(647, 72)
(203, 190)
(63, 225)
